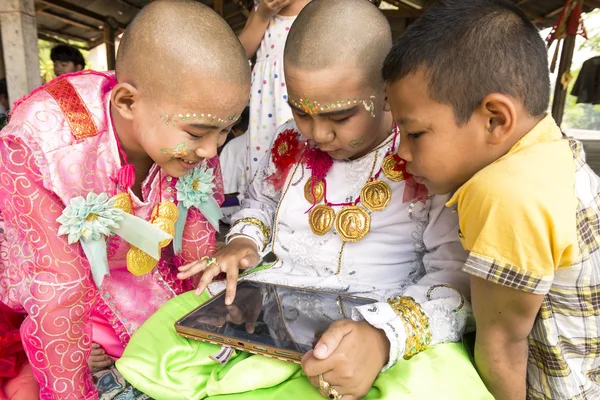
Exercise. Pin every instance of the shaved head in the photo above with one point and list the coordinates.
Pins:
(339, 32)
(171, 44)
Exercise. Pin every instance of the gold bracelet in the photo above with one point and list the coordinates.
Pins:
(259, 224)
(416, 324)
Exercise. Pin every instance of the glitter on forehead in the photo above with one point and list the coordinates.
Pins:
(313, 107)
(174, 119)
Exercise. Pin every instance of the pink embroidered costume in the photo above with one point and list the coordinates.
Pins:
(58, 146)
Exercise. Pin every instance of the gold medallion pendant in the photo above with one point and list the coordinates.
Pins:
(318, 191)
(353, 223)
(321, 219)
(376, 195)
(163, 216)
(389, 168)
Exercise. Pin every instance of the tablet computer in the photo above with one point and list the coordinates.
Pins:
(273, 320)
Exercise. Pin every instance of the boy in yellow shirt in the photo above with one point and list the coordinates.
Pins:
(468, 86)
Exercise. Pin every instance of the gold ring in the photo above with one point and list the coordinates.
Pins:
(323, 386)
(326, 390)
(333, 394)
(209, 261)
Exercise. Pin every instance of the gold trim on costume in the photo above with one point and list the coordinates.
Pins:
(416, 324)
(259, 224)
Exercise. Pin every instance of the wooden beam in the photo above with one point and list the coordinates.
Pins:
(553, 13)
(402, 13)
(64, 36)
(234, 14)
(218, 6)
(109, 42)
(414, 4)
(68, 20)
(593, 3)
(70, 7)
(129, 4)
(54, 38)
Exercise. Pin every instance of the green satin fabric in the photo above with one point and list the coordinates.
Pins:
(168, 367)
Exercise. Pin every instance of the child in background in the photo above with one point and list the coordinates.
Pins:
(66, 59)
(264, 36)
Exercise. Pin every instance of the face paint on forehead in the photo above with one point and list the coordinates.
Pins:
(180, 151)
(313, 107)
(173, 119)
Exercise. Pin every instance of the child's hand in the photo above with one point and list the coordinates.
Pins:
(99, 360)
(269, 8)
(238, 254)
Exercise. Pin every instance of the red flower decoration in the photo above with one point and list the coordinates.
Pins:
(285, 149)
(284, 153)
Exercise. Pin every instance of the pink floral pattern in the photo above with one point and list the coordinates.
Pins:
(42, 166)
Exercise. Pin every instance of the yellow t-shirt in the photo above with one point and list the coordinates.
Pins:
(518, 215)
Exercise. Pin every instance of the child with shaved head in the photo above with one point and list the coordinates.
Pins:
(337, 207)
(108, 183)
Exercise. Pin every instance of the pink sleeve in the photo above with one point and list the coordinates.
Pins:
(58, 294)
(199, 237)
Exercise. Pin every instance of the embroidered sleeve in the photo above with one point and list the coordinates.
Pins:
(56, 286)
(435, 309)
(199, 237)
(255, 219)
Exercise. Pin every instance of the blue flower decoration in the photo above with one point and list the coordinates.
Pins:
(196, 187)
(89, 218)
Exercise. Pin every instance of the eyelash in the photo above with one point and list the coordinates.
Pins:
(194, 137)
(341, 121)
(415, 135)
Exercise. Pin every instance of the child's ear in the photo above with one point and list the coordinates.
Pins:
(500, 116)
(123, 98)
(386, 104)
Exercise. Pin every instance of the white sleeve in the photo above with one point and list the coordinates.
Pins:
(442, 292)
(255, 219)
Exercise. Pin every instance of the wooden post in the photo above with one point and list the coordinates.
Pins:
(20, 47)
(560, 92)
(109, 42)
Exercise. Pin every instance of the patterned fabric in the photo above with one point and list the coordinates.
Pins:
(564, 344)
(268, 96)
(44, 164)
(112, 386)
(410, 246)
(72, 106)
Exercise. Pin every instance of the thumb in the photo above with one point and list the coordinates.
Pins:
(331, 339)
(249, 260)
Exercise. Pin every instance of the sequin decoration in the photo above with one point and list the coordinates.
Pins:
(174, 119)
(177, 152)
(78, 116)
(313, 107)
(354, 143)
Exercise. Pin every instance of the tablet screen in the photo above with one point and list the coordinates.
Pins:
(272, 315)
